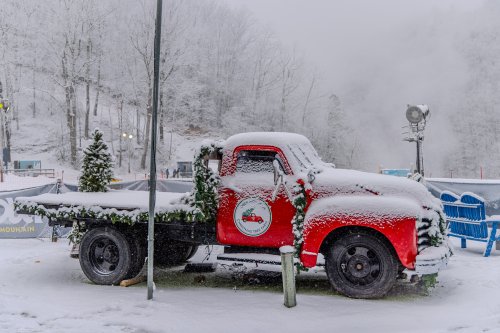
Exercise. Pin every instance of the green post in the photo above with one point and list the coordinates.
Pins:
(288, 276)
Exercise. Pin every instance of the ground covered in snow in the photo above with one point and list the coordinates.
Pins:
(43, 290)
(13, 182)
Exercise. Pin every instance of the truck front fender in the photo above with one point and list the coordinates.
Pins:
(393, 218)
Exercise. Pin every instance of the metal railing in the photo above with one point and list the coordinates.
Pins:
(50, 173)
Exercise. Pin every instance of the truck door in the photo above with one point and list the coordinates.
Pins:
(248, 215)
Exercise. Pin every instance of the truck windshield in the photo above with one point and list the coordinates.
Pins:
(251, 161)
(305, 156)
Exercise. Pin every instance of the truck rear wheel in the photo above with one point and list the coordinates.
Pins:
(193, 251)
(107, 256)
(361, 265)
(139, 253)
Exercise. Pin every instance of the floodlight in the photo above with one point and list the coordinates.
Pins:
(416, 113)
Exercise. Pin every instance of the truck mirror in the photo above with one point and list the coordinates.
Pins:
(310, 176)
(278, 172)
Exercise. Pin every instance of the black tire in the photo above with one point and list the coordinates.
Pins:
(194, 249)
(139, 253)
(361, 265)
(106, 256)
(172, 253)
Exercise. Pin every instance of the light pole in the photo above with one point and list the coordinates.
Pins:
(129, 137)
(4, 146)
(417, 116)
(152, 166)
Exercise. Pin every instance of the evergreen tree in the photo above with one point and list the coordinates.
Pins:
(248, 212)
(97, 166)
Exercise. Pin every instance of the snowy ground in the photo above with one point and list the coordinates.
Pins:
(43, 290)
(13, 182)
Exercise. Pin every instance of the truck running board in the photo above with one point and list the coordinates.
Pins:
(257, 258)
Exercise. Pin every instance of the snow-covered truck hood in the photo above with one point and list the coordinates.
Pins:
(331, 181)
(430, 219)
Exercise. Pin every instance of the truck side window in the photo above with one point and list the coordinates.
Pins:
(252, 161)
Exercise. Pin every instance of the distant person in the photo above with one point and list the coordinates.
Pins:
(174, 173)
(178, 172)
(167, 173)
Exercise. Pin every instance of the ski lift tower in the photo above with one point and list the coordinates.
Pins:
(417, 116)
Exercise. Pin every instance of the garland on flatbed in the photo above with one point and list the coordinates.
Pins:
(105, 214)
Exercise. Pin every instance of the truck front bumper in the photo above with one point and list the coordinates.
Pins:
(430, 260)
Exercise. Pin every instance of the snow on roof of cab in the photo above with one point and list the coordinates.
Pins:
(298, 150)
(279, 139)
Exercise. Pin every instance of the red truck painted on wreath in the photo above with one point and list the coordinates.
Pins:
(252, 218)
(369, 228)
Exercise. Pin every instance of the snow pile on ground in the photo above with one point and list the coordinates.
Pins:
(43, 290)
(13, 182)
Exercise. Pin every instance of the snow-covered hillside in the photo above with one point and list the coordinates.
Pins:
(221, 73)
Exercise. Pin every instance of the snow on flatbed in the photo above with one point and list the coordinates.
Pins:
(43, 290)
(122, 199)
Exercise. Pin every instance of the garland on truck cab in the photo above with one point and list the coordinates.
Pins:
(299, 202)
(204, 197)
(431, 228)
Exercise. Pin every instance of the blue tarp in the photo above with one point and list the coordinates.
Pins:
(488, 189)
(22, 226)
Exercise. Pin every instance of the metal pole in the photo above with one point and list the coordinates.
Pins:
(1, 133)
(129, 144)
(419, 170)
(422, 158)
(152, 172)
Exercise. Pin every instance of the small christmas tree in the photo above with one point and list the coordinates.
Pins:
(97, 166)
(248, 212)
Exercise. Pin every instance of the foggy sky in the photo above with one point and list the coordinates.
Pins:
(379, 56)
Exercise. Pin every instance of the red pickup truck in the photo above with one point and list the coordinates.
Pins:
(252, 218)
(370, 228)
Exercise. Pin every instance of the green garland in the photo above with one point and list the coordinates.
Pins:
(204, 197)
(432, 231)
(76, 234)
(108, 214)
(299, 202)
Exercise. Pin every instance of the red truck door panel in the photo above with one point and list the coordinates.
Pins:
(247, 214)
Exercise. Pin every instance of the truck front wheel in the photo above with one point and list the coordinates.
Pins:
(106, 256)
(361, 265)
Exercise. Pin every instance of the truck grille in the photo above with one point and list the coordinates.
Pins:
(424, 239)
